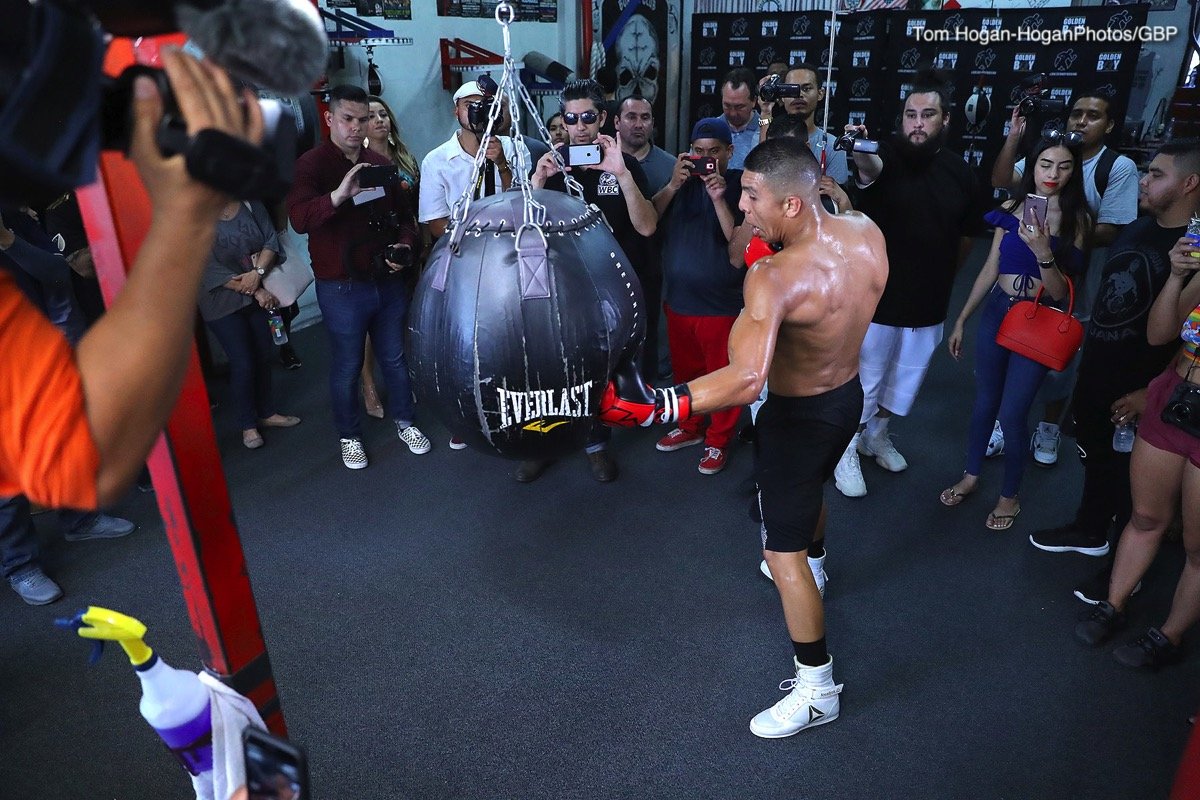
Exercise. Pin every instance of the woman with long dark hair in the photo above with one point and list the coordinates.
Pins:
(1024, 257)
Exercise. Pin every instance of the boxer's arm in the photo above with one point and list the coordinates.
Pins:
(751, 344)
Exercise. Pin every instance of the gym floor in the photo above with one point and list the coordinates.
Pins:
(439, 631)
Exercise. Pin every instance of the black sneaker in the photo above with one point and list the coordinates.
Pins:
(1098, 625)
(604, 468)
(1151, 650)
(1095, 588)
(1069, 539)
(288, 357)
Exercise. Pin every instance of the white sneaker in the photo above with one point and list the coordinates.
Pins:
(847, 475)
(457, 443)
(886, 454)
(353, 455)
(996, 442)
(812, 700)
(1045, 445)
(412, 436)
(817, 565)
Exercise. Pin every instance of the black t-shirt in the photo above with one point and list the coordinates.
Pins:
(923, 209)
(699, 281)
(1135, 272)
(602, 188)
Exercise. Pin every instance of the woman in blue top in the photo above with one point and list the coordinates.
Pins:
(1023, 258)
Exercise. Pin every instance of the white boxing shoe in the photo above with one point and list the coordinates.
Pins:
(817, 565)
(847, 475)
(812, 700)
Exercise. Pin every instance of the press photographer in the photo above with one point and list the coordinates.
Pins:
(926, 201)
(447, 170)
(361, 239)
(801, 93)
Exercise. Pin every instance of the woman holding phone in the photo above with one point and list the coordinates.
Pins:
(1036, 244)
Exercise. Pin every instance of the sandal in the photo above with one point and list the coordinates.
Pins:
(952, 497)
(1001, 522)
(252, 439)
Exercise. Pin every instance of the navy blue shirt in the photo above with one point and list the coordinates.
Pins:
(698, 279)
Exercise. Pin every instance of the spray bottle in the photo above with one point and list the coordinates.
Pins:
(174, 701)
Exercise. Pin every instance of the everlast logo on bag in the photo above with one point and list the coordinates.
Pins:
(518, 408)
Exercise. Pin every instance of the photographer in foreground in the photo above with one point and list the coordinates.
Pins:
(73, 434)
(362, 237)
(1164, 464)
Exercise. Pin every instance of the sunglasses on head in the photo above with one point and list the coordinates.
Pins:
(588, 117)
(1065, 138)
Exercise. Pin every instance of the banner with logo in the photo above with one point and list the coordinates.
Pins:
(877, 54)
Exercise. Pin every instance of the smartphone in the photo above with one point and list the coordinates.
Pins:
(276, 769)
(377, 175)
(703, 166)
(1035, 210)
(583, 155)
(865, 146)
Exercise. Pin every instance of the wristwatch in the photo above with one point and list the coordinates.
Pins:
(261, 272)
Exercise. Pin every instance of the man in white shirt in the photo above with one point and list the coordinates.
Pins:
(448, 168)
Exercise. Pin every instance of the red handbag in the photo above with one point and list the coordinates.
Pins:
(1041, 333)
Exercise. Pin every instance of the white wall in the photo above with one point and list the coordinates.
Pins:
(412, 75)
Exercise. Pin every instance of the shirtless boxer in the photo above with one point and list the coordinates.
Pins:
(807, 310)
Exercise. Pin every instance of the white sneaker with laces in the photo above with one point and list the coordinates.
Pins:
(1045, 444)
(847, 475)
(995, 445)
(817, 565)
(416, 441)
(812, 700)
(886, 454)
(353, 455)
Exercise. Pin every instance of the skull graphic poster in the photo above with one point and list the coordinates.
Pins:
(640, 49)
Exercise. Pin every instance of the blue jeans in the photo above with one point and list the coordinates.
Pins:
(246, 337)
(18, 539)
(1005, 385)
(352, 309)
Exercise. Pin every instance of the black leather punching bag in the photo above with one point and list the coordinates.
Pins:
(512, 338)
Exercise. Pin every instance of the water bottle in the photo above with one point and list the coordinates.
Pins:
(278, 332)
(1123, 437)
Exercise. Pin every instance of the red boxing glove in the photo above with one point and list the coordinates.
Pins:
(628, 401)
(756, 249)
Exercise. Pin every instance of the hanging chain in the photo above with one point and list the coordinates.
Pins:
(509, 87)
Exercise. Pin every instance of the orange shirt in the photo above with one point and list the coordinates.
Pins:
(46, 448)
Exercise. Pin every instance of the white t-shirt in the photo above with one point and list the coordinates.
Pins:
(1119, 206)
(446, 171)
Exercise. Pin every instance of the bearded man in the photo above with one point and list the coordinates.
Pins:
(927, 202)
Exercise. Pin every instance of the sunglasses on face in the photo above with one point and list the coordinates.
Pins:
(1065, 138)
(588, 117)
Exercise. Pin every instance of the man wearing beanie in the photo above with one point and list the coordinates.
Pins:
(701, 289)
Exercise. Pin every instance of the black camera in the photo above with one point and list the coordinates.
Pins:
(1183, 409)
(855, 142)
(399, 254)
(479, 111)
(774, 89)
(241, 169)
(1036, 100)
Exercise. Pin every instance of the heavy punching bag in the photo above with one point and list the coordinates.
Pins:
(515, 328)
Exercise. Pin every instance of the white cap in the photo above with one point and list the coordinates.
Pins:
(467, 89)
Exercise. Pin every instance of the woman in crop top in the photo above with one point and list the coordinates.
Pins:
(1164, 466)
(1022, 259)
